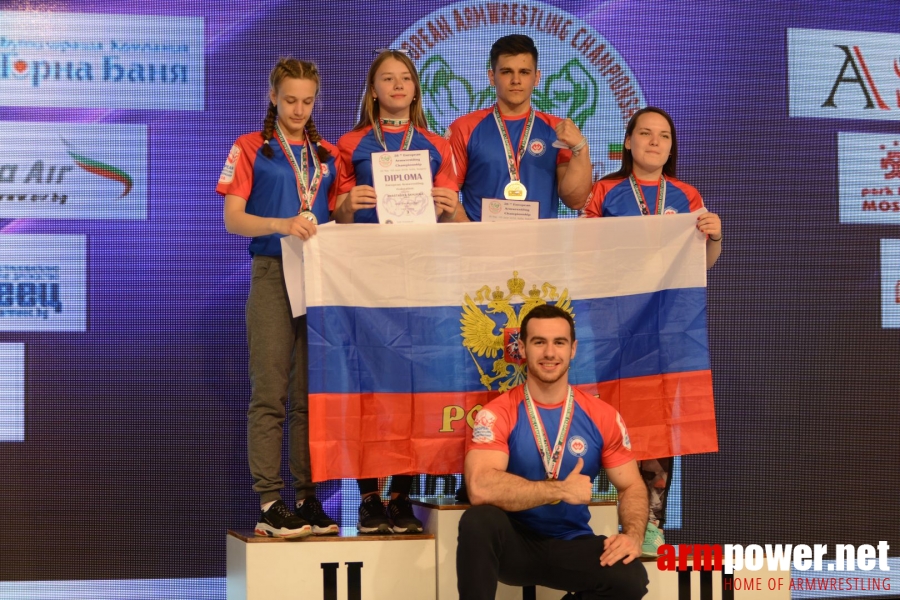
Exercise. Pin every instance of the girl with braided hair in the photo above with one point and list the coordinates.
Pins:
(277, 182)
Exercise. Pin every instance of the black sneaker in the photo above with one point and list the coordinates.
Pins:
(280, 522)
(402, 518)
(311, 511)
(372, 518)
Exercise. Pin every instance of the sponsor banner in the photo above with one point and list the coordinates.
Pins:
(843, 74)
(101, 60)
(413, 329)
(583, 77)
(890, 284)
(869, 177)
(73, 171)
(12, 392)
(42, 283)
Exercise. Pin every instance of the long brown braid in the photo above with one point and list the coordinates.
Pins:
(313, 134)
(295, 69)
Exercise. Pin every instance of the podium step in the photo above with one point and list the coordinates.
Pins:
(710, 585)
(337, 567)
(423, 566)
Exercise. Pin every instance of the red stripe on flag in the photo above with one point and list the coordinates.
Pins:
(666, 415)
(376, 435)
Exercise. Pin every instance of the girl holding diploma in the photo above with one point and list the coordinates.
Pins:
(646, 185)
(278, 182)
(391, 119)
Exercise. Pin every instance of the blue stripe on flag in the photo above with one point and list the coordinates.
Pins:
(420, 349)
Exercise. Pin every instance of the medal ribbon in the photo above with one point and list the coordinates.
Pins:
(642, 202)
(407, 135)
(307, 191)
(513, 161)
(552, 460)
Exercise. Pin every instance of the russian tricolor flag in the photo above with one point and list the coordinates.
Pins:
(413, 328)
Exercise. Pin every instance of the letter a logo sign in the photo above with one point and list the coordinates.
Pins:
(860, 76)
(843, 74)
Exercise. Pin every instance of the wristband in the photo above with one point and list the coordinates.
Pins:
(712, 239)
(576, 149)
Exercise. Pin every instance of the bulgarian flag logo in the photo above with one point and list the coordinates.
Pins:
(101, 168)
(615, 151)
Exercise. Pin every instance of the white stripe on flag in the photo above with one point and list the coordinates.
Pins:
(378, 266)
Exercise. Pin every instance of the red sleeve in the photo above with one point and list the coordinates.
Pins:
(237, 174)
(616, 441)
(459, 133)
(446, 176)
(695, 201)
(347, 175)
(494, 422)
(594, 206)
(332, 191)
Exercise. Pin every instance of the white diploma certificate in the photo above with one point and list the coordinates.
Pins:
(494, 209)
(402, 182)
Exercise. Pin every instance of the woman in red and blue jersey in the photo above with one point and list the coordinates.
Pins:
(646, 185)
(391, 119)
(278, 182)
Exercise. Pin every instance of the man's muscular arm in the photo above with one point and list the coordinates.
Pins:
(489, 483)
(634, 509)
(574, 178)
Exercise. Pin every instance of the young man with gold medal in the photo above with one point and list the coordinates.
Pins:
(512, 151)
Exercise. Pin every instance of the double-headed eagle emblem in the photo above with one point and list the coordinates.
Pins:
(479, 325)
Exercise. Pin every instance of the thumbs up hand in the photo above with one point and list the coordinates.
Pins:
(577, 486)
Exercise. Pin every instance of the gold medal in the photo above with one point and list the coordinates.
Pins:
(515, 190)
(309, 216)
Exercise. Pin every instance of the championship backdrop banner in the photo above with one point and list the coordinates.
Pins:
(413, 329)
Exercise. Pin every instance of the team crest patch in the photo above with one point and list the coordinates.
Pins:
(577, 446)
(670, 211)
(227, 175)
(626, 441)
(483, 428)
(537, 147)
(325, 170)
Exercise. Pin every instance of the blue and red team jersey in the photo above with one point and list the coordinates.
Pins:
(356, 148)
(270, 187)
(597, 435)
(615, 198)
(481, 168)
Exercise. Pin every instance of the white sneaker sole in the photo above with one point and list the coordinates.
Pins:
(264, 530)
(331, 529)
(383, 528)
